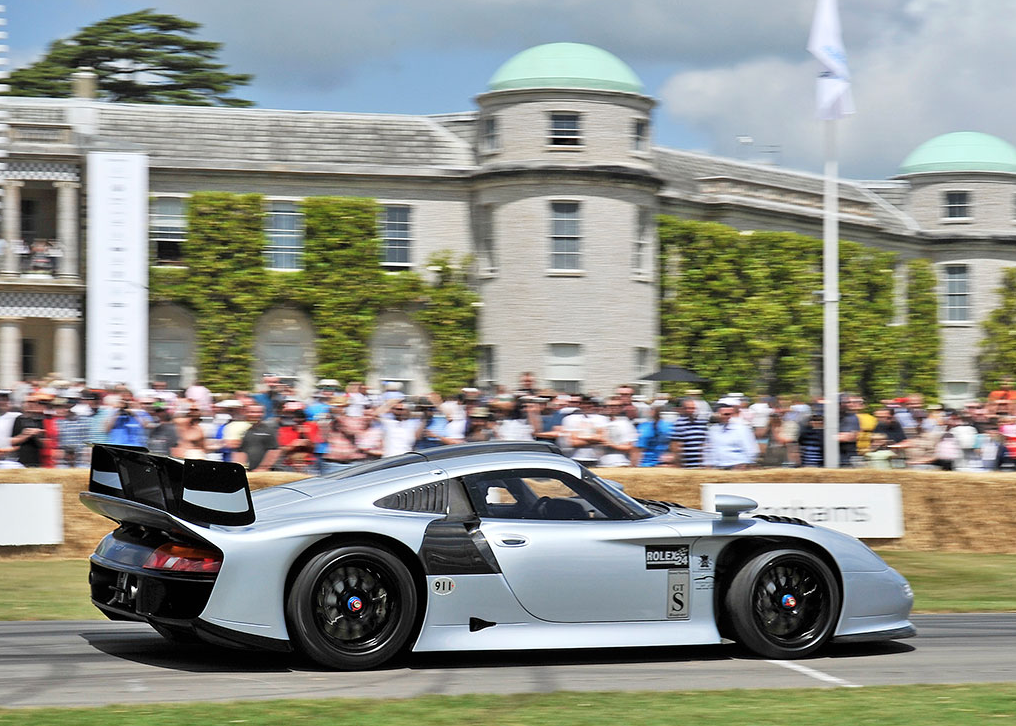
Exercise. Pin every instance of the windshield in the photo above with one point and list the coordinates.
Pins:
(633, 508)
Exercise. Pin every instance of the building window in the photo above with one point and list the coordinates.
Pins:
(396, 366)
(957, 389)
(485, 246)
(486, 374)
(957, 294)
(640, 262)
(564, 367)
(491, 138)
(284, 228)
(395, 239)
(564, 236)
(29, 359)
(565, 129)
(640, 135)
(957, 205)
(167, 228)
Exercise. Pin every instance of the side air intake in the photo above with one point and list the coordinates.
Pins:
(429, 498)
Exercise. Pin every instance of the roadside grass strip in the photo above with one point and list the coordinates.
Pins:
(885, 706)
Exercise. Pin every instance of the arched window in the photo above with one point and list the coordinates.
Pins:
(284, 346)
(400, 353)
(171, 353)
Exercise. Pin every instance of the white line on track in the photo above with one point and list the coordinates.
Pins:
(816, 674)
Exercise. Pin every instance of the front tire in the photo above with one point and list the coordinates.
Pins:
(353, 607)
(783, 604)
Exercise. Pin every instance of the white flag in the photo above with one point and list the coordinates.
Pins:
(833, 96)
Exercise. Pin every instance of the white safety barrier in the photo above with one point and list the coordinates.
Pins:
(31, 514)
(861, 510)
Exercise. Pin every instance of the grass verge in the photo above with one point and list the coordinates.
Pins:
(885, 706)
(943, 582)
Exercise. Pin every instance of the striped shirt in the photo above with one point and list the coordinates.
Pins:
(691, 434)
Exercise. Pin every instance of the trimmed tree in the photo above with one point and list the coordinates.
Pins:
(997, 357)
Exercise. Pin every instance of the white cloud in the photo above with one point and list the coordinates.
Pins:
(943, 67)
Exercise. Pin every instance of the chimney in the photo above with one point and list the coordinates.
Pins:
(83, 84)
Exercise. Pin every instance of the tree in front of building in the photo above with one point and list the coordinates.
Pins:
(998, 348)
(921, 336)
(140, 57)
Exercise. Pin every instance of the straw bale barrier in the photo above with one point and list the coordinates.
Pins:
(947, 511)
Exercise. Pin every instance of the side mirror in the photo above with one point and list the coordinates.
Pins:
(731, 507)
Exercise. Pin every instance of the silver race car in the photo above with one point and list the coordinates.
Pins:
(499, 546)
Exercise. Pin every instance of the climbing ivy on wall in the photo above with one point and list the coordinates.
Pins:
(342, 287)
(745, 311)
(922, 341)
(997, 357)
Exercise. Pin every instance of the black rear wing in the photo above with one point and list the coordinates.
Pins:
(197, 491)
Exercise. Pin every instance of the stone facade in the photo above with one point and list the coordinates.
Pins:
(553, 190)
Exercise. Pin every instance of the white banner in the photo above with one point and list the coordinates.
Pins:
(862, 510)
(31, 514)
(117, 316)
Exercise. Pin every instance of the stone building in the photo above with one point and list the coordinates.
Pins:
(552, 183)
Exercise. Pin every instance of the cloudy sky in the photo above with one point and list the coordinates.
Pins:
(720, 70)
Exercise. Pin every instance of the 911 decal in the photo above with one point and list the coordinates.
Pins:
(442, 586)
(666, 557)
(677, 595)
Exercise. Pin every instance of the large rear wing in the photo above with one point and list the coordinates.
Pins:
(196, 491)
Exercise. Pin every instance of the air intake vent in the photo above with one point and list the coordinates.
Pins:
(781, 520)
(432, 498)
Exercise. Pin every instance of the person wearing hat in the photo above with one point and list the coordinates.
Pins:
(72, 435)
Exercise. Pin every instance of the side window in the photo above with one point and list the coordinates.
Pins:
(540, 494)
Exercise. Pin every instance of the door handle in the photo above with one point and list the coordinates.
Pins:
(511, 540)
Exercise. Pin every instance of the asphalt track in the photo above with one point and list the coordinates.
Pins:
(93, 663)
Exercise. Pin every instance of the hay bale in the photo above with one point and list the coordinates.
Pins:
(944, 511)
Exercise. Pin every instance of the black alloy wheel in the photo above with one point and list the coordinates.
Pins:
(784, 604)
(352, 607)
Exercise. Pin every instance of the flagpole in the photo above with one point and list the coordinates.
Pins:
(831, 299)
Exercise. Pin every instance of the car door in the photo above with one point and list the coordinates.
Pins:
(570, 568)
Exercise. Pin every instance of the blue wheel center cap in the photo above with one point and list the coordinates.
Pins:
(354, 604)
(788, 601)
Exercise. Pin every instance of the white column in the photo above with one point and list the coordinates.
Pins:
(10, 353)
(12, 226)
(67, 227)
(67, 349)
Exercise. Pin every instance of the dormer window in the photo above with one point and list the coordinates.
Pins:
(565, 129)
(957, 205)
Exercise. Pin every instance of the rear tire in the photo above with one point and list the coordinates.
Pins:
(783, 604)
(353, 607)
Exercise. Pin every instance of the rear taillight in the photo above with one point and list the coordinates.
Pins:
(184, 558)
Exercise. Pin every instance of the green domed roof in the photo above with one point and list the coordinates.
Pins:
(961, 151)
(565, 65)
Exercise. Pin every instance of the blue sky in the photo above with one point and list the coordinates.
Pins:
(719, 69)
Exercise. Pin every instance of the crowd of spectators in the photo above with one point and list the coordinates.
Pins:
(53, 424)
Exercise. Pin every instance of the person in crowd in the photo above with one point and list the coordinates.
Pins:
(7, 416)
(586, 431)
(127, 424)
(28, 434)
(811, 441)
(620, 436)
(191, 434)
(654, 439)
(850, 426)
(520, 420)
(297, 439)
(340, 435)
(72, 436)
(879, 455)
(259, 447)
(401, 429)
(480, 424)
(730, 444)
(199, 394)
(163, 437)
(688, 435)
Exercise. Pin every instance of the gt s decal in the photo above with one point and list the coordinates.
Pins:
(677, 595)
(665, 557)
